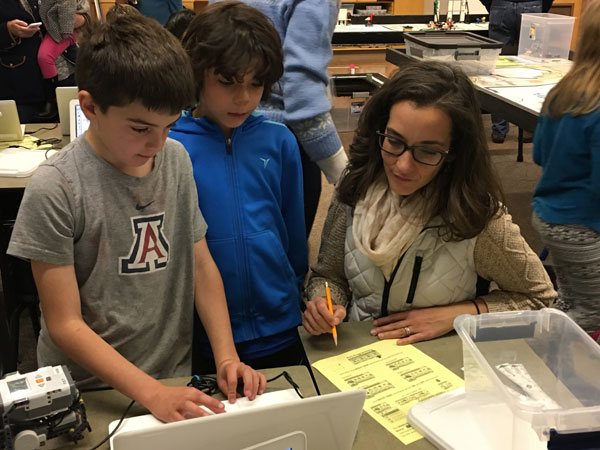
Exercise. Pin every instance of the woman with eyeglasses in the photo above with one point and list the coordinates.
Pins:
(417, 233)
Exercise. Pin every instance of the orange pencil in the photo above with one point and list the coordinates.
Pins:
(330, 306)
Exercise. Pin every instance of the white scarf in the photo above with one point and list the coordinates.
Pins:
(386, 224)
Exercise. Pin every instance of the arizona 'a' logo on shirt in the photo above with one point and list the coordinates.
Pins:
(150, 249)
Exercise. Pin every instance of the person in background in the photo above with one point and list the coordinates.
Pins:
(566, 201)
(112, 228)
(249, 180)
(59, 19)
(306, 28)
(159, 10)
(179, 21)
(505, 26)
(20, 76)
(417, 232)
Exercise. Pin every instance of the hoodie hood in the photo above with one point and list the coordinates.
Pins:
(188, 124)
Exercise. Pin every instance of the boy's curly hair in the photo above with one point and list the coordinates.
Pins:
(234, 39)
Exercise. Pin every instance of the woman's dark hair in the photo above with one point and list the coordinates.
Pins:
(234, 39)
(178, 22)
(466, 192)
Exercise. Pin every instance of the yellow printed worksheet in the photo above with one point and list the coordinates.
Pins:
(395, 378)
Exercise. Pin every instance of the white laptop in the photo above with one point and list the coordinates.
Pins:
(10, 126)
(78, 122)
(326, 422)
(64, 95)
(291, 441)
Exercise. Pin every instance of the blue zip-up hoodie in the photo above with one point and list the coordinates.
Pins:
(250, 194)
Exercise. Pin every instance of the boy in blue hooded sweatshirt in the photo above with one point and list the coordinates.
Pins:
(249, 180)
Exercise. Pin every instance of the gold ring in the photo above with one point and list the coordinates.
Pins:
(406, 332)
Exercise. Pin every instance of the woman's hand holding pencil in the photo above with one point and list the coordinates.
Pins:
(321, 315)
(330, 307)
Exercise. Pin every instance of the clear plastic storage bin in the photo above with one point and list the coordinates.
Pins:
(476, 55)
(545, 36)
(539, 364)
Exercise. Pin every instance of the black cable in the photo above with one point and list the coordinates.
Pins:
(49, 141)
(46, 154)
(205, 383)
(38, 143)
(208, 383)
(42, 128)
(111, 434)
(290, 380)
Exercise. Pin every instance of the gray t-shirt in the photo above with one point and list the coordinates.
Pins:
(131, 241)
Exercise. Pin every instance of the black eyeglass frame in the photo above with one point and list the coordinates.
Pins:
(411, 148)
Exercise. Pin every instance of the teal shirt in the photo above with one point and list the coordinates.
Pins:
(159, 9)
(568, 149)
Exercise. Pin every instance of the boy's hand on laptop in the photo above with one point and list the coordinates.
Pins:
(174, 403)
(230, 372)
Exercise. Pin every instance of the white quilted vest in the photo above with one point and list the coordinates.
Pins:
(447, 275)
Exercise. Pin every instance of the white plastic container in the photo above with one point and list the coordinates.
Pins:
(556, 386)
(476, 55)
(545, 37)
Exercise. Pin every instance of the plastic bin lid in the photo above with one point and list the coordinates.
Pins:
(450, 39)
(563, 359)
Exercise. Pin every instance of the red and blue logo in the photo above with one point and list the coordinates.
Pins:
(150, 249)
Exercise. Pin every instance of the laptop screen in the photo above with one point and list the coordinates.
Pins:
(81, 122)
(64, 95)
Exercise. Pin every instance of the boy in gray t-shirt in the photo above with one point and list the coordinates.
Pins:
(116, 240)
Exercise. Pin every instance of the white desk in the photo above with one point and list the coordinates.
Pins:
(20, 183)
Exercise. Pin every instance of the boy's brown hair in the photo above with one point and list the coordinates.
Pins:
(132, 58)
(234, 39)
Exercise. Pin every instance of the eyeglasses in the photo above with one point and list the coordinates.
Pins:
(392, 148)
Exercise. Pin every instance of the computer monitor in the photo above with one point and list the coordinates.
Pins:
(10, 126)
(64, 95)
(79, 123)
(329, 422)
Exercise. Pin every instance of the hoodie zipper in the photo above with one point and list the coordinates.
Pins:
(238, 224)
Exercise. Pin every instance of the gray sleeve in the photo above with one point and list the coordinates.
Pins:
(45, 225)
(188, 189)
(200, 226)
(330, 263)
